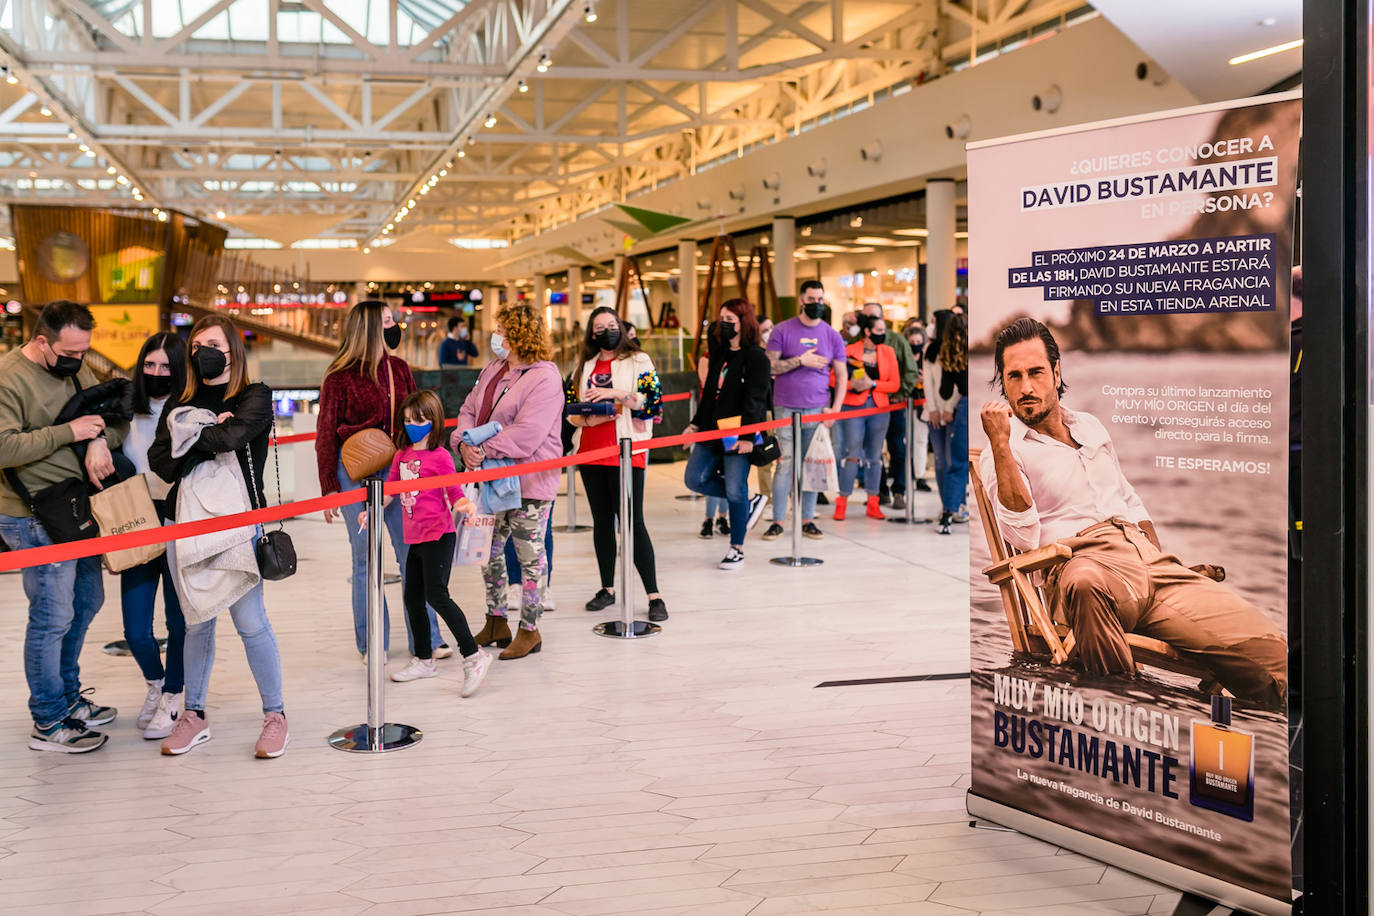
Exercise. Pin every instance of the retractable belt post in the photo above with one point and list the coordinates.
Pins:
(626, 627)
(909, 418)
(796, 559)
(572, 526)
(376, 735)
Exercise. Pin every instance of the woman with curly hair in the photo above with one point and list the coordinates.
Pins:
(520, 392)
(946, 377)
(615, 370)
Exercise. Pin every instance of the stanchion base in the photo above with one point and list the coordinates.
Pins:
(573, 529)
(616, 629)
(911, 521)
(796, 561)
(689, 496)
(360, 739)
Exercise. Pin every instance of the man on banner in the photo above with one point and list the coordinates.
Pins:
(1053, 476)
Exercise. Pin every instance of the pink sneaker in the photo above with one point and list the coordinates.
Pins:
(274, 738)
(189, 731)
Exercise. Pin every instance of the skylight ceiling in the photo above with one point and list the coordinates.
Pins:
(297, 22)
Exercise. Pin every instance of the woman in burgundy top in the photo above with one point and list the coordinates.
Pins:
(363, 389)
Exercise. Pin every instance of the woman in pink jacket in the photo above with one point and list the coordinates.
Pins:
(520, 389)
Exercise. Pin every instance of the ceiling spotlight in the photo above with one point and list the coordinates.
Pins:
(462, 154)
(71, 135)
(424, 189)
(161, 217)
(389, 227)
(11, 78)
(1049, 100)
(524, 87)
(367, 250)
(589, 12)
(84, 148)
(490, 121)
(544, 63)
(817, 169)
(45, 111)
(122, 180)
(471, 139)
(856, 222)
(737, 192)
(111, 170)
(219, 214)
(960, 129)
(772, 182)
(410, 204)
(872, 152)
(443, 173)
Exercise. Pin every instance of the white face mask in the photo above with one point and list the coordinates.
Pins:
(763, 338)
(851, 329)
(498, 346)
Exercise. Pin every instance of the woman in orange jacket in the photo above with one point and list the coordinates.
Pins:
(873, 377)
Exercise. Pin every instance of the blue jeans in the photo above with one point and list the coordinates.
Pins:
(863, 443)
(722, 476)
(63, 600)
(513, 564)
(357, 542)
(950, 444)
(138, 599)
(259, 643)
(715, 505)
(782, 474)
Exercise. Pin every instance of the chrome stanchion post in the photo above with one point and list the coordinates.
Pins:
(376, 735)
(572, 526)
(626, 627)
(909, 418)
(798, 456)
(691, 414)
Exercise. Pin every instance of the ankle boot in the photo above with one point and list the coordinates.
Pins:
(526, 642)
(841, 507)
(496, 632)
(872, 510)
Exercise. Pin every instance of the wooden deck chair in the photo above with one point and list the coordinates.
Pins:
(1027, 609)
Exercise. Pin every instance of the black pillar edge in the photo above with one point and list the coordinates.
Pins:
(1335, 399)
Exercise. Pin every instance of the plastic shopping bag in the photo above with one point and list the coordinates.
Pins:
(818, 468)
(473, 544)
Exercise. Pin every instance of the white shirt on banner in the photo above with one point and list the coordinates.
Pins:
(1071, 488)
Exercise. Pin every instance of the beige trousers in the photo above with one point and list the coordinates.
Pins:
(1118, 582)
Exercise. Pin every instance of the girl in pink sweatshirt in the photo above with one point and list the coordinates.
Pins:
(427, 521)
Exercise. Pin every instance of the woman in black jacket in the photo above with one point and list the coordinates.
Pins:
(736, 389)
(218, 382)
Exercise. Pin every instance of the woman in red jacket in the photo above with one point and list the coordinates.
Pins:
(873, 376)
(364, 388)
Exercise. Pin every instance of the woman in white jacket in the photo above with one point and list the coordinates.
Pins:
(946, 383)
(616, 371)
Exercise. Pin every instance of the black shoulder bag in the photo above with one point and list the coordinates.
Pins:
(64, 508)
(275, 552)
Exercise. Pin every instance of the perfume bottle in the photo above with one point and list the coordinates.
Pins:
(1222, 771)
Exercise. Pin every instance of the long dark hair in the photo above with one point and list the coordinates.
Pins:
(942, 318)
(954, 345)
(628, 345)
(175, 348)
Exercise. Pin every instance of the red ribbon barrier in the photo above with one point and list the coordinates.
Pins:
(74, 550)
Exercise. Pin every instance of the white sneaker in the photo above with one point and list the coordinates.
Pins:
(757, 503)
(549, 604)
(165, 719)
(734, 559)
(418, 668)
(475, 668)
(443, 650)
(145, 715)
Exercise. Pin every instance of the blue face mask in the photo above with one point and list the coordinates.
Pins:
(418, 431)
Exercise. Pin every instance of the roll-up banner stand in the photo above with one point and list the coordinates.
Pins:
(1129, 387)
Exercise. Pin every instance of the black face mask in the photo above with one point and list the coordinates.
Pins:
(209, 363)
(814, 310)
(65, 366)
(878, 339)
(392, 336)
(608, 339)
(157, 386)
(728, 331)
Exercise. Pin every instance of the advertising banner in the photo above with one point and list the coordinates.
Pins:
(120, 331)
(1128, 415)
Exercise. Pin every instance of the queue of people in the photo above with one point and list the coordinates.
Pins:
(196, 428)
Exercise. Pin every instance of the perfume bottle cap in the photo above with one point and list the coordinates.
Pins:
(1221, 709)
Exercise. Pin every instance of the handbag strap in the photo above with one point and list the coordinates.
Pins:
(391, 400)
(252, 477)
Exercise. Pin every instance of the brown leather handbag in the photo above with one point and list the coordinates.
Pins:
(370, 450)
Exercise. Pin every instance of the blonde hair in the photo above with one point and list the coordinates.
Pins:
(362, 344)
(238, 357)
(526, 335)
(954, 345)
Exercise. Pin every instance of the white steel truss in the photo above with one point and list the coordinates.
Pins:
(583, 113)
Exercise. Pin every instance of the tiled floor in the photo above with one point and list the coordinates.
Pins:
(700, 771)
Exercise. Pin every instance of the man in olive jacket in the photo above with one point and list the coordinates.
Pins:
(36, 381)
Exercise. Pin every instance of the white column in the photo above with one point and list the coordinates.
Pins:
(940, 255)
(541, 291)
(511, 293)
(687, 304)
(784, 257)
(574, 293)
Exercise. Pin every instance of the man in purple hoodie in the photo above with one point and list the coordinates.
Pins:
(520, 389)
